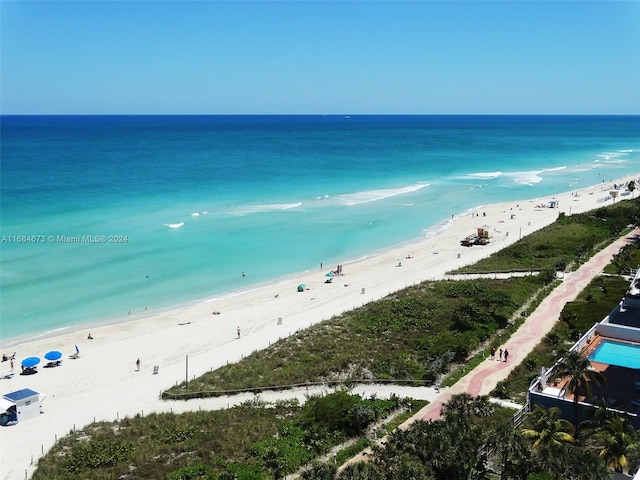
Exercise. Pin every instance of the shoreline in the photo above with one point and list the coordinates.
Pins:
(430, 233)
(104, 384)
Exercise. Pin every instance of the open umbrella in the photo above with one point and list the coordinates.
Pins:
(30, 362)
(301, 287)
(53, 355)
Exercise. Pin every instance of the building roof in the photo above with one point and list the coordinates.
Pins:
(20, 395)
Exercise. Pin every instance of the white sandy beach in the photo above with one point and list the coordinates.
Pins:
(103, 383)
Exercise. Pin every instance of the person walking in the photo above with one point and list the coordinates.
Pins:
(506, 354)
(500, 354)
(138, 365)
(238, 332)
(493, 353)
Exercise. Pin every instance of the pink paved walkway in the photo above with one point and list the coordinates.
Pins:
(482, 379)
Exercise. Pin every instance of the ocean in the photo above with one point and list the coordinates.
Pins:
(102, 215)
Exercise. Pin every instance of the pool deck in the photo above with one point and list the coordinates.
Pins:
(622, 389)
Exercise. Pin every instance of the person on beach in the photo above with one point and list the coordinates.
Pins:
(500, 352)
(238, 332)
(506, 354)
(11, 364)
(138, 365)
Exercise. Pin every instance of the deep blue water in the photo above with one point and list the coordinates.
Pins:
(267, 195)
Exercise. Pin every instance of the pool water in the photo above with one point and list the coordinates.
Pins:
(617, 353)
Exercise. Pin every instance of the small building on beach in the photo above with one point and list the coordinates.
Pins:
(27, 404)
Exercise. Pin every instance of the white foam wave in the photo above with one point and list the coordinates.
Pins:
(532, 177)
(195, 214)
(484, 175)
(527, 178)
(375, 195)
(174, 225)
(270, 207)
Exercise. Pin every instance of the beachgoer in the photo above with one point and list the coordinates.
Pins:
(320, 265)
(506, 354)
(243, 274)
(500, 354)
(138, 365)
(238, 332)
(89, 337)
(12, 364)
(4, 357)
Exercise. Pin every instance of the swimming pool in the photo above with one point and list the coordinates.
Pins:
(617, 353)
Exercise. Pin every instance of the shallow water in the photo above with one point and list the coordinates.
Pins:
(102, 215)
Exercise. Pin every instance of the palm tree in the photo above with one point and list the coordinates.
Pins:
(547, 428)
(581, 376)
(462, 405)
(616, 437)
(631, 187)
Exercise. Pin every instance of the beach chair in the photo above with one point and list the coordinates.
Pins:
(76, 354)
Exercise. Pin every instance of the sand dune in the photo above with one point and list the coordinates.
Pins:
(104, 384)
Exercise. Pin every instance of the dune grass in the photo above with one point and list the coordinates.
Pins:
(569, 241)
(416, 334)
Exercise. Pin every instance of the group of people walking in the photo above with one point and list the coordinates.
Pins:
(501, 354)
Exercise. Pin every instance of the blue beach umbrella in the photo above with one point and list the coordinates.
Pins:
(30, 362)
(53, 355)
(330, 274)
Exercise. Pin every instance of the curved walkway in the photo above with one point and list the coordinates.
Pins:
(484, 378)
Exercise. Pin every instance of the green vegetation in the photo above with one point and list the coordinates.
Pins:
(472, 441)
(627, 260)
(569, 240)
(413, 335)
(241, 442)
(592, 305)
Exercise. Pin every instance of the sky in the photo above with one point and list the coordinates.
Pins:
(319, 57)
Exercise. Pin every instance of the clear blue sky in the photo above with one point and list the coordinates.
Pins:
(394, 57)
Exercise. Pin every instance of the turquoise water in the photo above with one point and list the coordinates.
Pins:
(617, 353)
(105, 214)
